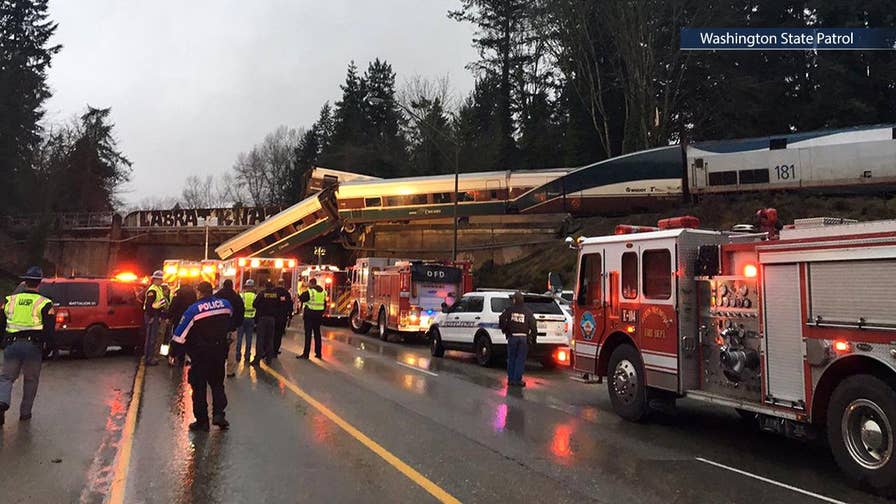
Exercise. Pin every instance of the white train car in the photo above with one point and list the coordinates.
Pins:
(846, 160)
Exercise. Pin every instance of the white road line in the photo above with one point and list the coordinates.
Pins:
(773, 482)
(415, 368)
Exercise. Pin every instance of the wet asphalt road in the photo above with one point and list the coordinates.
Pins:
(450, 420)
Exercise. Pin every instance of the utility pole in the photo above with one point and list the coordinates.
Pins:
(376, 100)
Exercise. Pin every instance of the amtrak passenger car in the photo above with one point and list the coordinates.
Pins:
(845, 160)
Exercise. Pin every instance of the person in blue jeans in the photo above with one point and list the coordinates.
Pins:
(518, 324)
(248, 326)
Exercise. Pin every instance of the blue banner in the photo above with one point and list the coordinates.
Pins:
(787, 39)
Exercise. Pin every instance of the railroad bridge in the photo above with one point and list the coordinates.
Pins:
(101, 243)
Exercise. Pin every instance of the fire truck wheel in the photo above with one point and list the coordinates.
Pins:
(94, 343)
(485, 353)
(435, 343)
(861, 421)
(626, 385)
(357, 323)
(381, 327)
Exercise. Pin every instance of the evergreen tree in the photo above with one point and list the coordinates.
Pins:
(96, 168)
(25, 56)
(502, 37)
(432, 152)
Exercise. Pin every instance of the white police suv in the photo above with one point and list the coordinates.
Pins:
(471, 325)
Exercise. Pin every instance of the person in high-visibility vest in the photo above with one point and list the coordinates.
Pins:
(155, 303)
(314, 300)
(28, 321)
(248, 326)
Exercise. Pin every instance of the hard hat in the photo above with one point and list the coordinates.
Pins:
(250, 283)
(33, 273)
(158, 275)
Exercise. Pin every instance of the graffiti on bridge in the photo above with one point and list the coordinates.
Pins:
(199, 217)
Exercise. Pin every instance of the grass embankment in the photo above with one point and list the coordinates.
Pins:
(716, 212)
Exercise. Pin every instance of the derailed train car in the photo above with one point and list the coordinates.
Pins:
(845, 160)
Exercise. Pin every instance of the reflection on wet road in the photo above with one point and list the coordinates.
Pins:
(298, 435)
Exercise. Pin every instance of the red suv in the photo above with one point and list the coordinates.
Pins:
(95, 313)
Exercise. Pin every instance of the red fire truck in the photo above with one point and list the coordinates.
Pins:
(335, 282)
(798, 333)
(402, 295)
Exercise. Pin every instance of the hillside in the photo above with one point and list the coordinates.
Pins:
(716, 212)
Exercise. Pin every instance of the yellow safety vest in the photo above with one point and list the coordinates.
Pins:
(316, 299)
(160, 302)
(248, 301)
(23, 312)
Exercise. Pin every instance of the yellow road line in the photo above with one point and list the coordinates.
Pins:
(412, 474)
(123, 459)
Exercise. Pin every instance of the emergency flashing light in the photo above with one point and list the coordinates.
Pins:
(278, 263)
(841, 346)
(291, 263)
(562, 356)
(194, 272)
(332, 305)
(328, 280)
(171, 270)
(126, 276)
(630, 329)
(750, 271)
(241, 263)
(208, 270)
(256, 263)
(183, 273)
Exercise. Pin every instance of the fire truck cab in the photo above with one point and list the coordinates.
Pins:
(176, 271)
(797, 332)
(402, 295)
(335, 282)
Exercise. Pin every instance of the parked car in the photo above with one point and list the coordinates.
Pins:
(471, 325)
(93, 314)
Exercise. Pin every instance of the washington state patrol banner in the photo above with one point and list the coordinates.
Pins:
(788, 39)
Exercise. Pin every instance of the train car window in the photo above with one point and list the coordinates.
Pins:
(723, 178)
(630, 275)
(589, 280)
(466, 196)
(657, 274)
(759, 176)
(777, 144)
(441, 197)
(373, 202)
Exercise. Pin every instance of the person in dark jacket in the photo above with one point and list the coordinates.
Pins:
(267, 307)
(183, 298)
(203, 329)
(236, 303)
(286, 305)
(518, 324)
(314, 301)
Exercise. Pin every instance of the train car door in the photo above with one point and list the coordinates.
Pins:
(590, 309)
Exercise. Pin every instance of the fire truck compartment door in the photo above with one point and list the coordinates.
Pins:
(784, 347)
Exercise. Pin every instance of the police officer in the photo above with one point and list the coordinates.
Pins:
(203, 329)
(29, 321)
(286, 305)
(267, 307)
(518, 324)
(248, 327)
(314, 300)
(154, 304)
(183, 298)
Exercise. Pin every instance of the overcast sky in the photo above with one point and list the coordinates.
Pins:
(193, 83)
